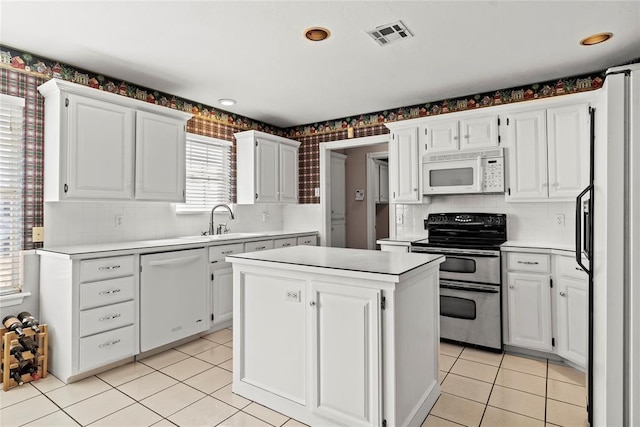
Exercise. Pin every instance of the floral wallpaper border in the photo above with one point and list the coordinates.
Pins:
(528, 92)
(47, 69)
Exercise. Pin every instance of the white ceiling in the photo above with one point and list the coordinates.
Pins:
(255, 52)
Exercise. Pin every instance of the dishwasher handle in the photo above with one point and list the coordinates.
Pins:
(174, 261)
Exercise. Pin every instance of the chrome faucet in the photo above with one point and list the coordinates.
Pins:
(212, 229)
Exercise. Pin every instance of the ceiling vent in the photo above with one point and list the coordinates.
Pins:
(389, 33)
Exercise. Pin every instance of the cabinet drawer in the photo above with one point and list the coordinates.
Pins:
(106, 268)
(538, 263)
(569, 267)
(284, 243)
(108, 347)
(104, 292)
(258, 246)
(217, 253)
(105, 318)
(307, 240)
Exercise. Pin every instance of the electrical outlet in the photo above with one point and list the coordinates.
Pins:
(117, 220)
(399, 219)
(292, 296)
(560, 220)
(37, 234)
(316, 192)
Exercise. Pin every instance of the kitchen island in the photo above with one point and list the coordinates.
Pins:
(334, 336)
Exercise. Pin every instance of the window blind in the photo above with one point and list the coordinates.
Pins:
(208, 169)
(11, 175)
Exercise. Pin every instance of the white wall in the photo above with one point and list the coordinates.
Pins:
(73, 223)
(533, 222)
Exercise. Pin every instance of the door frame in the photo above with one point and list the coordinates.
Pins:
(325, 174)
(371, 204)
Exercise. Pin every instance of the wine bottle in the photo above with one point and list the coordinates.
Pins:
(16, 351)
(28, 321)
(28, 367)
(15, 374)
(13, 324)
(29, 344)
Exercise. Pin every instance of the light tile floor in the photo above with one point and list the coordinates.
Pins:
(191, 386)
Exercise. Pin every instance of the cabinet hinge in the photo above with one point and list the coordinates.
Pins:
(551, 283)
(211, 276)
(498, 121)
(553, 342)
(425, 131)
(384, 423)
(256, 143)
(66, 102)
(509, 191)
(256, 196)
(507, 121)
(383, 303)
(212, 317)
(140, 269)
(499, 139)
(66, 188)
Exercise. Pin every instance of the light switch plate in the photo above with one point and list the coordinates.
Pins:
(316, 192)
(399, 219)
(359, 194)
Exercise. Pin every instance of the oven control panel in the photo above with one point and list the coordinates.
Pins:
(493, 175)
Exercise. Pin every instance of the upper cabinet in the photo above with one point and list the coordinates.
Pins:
(103, 146)
(467, 133)
(548, 152)
(404, 165)
(267, 168)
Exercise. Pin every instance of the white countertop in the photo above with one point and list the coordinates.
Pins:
(533, 246)
(358, 260)
(176, 243)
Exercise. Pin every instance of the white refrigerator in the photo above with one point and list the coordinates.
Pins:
(613, 224)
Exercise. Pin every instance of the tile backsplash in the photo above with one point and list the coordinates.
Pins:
(535, 222)
(79, 223)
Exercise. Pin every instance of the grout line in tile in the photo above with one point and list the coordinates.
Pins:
(517, 413)
(566, 403)
(491, 392)
(546, 391)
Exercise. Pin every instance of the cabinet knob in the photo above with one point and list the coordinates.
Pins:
(312, 303)
(562, 294)
(511, 286)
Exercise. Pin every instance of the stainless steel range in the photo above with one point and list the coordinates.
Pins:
(470, 283)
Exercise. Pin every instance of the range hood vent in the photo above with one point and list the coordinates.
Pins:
(389, 33)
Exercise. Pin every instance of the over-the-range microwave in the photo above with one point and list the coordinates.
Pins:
(463, 172)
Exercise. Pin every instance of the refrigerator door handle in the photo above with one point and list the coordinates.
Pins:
(579, 229)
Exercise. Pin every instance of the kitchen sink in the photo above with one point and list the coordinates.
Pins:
(227, 236)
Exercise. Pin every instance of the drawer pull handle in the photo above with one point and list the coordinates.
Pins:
(226, 252)
(113, 316)
(562, 294)
(260, 248)
(528, 262)
(579, 269)
(109, 267)
(511, 286)
(109, 292)
(284, 245)
(108, 344)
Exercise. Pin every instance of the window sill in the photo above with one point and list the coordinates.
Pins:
(13, 299)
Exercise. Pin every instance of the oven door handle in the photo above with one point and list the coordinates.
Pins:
(469, 289)
(457, 254)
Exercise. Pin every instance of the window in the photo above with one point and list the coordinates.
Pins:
(11, 158)
(208, 173)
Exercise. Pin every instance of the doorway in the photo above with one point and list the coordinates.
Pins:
(325, 183)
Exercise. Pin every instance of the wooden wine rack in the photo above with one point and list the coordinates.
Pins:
(10, 338)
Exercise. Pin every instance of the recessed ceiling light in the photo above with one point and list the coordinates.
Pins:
(316, 34)
(595, 39)
(227, 101)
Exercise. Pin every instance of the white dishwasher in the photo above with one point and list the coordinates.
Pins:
(174, 295)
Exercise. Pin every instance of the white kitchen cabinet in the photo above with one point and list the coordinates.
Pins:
(91, 308)
(404, 165)
(102, 146)
(285, 242)
(529, 300)
(222, 283)
(459, 133)
(267, 167)
(345, 364)
(548, 152)
(571, 311)
(160, 157)
(309, 240)
(100, 150)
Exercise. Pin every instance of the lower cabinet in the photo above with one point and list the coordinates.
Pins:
(338, 233)
(221, 275)
(346, 352)
(529, 299)
(572, 297)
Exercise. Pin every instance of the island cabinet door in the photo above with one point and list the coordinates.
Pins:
(346, 353)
